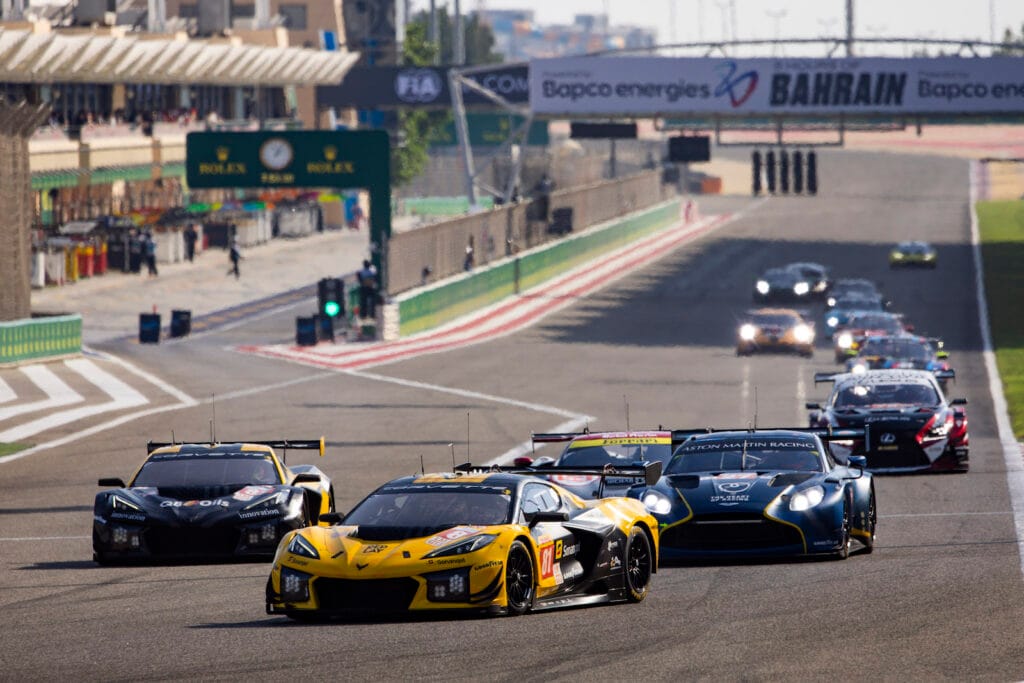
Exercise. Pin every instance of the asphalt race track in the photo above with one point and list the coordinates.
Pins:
(941, 597)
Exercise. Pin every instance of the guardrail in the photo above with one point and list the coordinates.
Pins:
(431, 306)
(43, 337)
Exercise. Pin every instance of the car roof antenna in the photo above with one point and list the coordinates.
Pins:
(468, 458)
(213, 418)
(452, 447)
(625, 402)
(172, 437)
(755, 413)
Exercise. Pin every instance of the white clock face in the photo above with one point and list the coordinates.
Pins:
(276, 153)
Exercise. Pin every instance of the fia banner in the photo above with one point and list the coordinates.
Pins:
(649, 86)
(375, 87)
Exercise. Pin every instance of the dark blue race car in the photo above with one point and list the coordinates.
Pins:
(763, 492)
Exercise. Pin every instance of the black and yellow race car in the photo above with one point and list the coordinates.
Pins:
(913, 253)
(209, 501)
(492, 541)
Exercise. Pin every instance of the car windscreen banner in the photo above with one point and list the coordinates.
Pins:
(404, 86)
(665, 86)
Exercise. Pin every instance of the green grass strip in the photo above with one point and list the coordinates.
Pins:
(1001, 224)
(12, 448)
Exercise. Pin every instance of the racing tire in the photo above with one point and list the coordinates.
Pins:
(869, 542)
(519, 579)
(639, 565)
(844, 548)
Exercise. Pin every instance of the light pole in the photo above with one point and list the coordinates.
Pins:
(776, 15)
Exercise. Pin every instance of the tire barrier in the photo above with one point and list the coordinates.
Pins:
(755, 162)
(181, 323)
(812, 173)
(795, 171)
(149, 328)
(798, 172)
(784, 171)
(769, 162)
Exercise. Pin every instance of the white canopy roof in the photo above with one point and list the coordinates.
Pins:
(27, 57)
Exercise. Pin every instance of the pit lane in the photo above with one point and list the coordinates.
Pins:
(941, 597)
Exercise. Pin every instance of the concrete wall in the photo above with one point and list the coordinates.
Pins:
(502, 231)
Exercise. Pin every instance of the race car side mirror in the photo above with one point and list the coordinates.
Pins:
(332, 517)
(523, 461)
(111, 481)
(534, 518)
(909, 327)
(811, 405)
(958, 402)
(305, 478)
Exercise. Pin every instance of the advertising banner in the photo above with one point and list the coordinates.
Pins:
(650, 86)
(375, 87)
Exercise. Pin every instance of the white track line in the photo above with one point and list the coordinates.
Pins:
(1011, 449)
(6, 393)
(58, 393)
(122, 397)
(149, 377)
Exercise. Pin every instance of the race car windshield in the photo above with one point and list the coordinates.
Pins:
(873, 395)
(738, 456)
(431, 509)
(781, 320)
(903, 349)
(859, 303)
(876, 322)
(615, 454)
(193, 471)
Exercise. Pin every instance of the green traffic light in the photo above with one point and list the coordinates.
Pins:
(332, 308)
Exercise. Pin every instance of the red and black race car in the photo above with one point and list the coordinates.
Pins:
(908, 423)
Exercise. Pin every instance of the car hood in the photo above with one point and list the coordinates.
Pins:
(734, 491)
(362, 548)
(201, 504)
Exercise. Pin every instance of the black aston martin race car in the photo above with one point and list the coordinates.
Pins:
(909, 425)
(209, 501)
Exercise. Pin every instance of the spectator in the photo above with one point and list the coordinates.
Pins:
(191, 236)
(367, 278)
(467, 263)
(149, 252)
(235, 254)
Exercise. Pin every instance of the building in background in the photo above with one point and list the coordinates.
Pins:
(520, 37)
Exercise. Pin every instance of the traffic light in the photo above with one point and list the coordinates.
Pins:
(330, 293)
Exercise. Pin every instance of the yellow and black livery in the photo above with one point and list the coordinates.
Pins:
(493, 541)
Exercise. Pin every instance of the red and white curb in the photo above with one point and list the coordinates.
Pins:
(505, 317)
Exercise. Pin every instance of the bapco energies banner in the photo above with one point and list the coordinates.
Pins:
(623, 86)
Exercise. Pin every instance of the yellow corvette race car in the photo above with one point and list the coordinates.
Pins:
(913, 253)
(495, 541)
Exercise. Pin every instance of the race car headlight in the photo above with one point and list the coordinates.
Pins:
(657, 503)
(448, 586)
(858, 369)
(845, 340)
(820, 286)
(300, 546)
(832, 321)
(806, 499)
(270, 501)
(294, 585)
(801, 288)
(124, 505)
(803, 334)
(468, 545)
(748, 332)
(763, 287)
(929, 257)
(831, 301)
(896, 256)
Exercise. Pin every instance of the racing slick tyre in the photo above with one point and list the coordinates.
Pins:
(869, 542)
(639, 565)
(519, 582)
(844, 546)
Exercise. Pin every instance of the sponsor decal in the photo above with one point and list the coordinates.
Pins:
(730, 499)
(613, 545)
(837, 89)
(194, 503)
(373, 548)
(251, 492)
(615, 563)
(487, 565)
(733, 487)
(259, 514)
(888, 437)
(559, 579)
(128, 516)
(739, 87)
(452, 534)
(574, 570)
(749, 444)
(736, 475)
(453, 560)
(418, 85)
(567, 550)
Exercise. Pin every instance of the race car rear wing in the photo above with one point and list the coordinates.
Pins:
(648, 471)
(679, 436)
(280, 444)
(820, 377)
(555, 437)
(945, 374)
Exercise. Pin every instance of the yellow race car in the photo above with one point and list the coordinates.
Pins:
(775, 329)
(496, 541)
(913, 253)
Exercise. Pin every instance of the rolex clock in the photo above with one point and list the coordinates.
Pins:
(276, 153)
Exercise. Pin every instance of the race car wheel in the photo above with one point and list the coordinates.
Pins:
(519, 581)
(869, 542)
(844, 546)
(639, 565)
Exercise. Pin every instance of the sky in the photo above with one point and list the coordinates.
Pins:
(709, 20)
